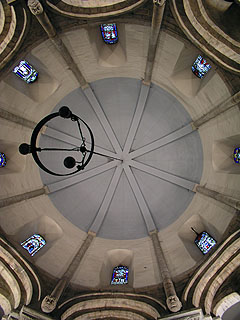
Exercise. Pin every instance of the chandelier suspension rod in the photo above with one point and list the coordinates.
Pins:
(104, 155)
(75, 149)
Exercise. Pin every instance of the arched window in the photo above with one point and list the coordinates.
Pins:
(33, 244)
(25, 71)
(236, 155)
(200, 67)
(204, 241)
(120, 275)
(109, 33)
(3, 160)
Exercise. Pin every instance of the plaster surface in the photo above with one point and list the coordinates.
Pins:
(140, 201)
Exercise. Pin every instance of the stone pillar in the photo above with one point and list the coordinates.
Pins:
(49, 303)
(16, 119)
(27, 313)
(222, 107)
(231, 202)
(21, 197)
(37, 10)
(11, 316)
(158, 10)
(172, 300)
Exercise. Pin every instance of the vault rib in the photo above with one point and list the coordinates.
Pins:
(56, 186)
(140, 199)
(106, 201)
(102, 119)
(136, 118)
(184, 183)
(178, 134)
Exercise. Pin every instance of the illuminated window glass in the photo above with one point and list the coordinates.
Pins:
(120, 275)
(33, 244)
(205, 242)
(25, 71)
(236, 155)
(3, 160)
(109, 33)
(200, 67)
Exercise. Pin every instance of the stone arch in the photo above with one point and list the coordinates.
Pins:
(226, 303)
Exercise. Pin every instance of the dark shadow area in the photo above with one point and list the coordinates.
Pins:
(226, 16)
(1, 313)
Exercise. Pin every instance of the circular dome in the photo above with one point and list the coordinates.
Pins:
(93, 9)
(14, 24)
(125, 198)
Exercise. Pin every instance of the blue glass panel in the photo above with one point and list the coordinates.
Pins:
(25, 71)
(120, 275)
(3, 160)
(33, 244)
(205, 242)
(236, 155)
(200, 67)
(109, 33)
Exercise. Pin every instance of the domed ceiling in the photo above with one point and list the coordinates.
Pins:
(150, 187)
(147, 188)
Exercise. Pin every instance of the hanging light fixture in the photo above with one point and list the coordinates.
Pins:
(84, 154)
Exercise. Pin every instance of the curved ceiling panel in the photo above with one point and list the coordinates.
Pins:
(13, 28)
(126, 198)
(94, 9)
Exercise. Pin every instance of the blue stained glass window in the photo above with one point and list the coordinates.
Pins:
(33, 244)
(109, 33)
(236, 155)
(3, 160)
(200, 67)
(25, 71)
(120, 275)
(205, 242)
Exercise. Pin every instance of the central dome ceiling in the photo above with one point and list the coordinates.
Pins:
(124, 199)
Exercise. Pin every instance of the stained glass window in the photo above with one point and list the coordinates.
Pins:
(25, 71)
(33, 244)
(200, 67)
(120, 275)
(236, 155)
(3, 160)
(109, 33)
(205, 242)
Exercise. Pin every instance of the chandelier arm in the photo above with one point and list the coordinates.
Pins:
(57, 149)
(80, 131)
(91, 151)
(104, 155)
(84, 155)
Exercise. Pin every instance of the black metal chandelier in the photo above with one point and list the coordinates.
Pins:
(69, 162)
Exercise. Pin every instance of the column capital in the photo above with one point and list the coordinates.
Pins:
(50, 301)
(159, 3)
(35, 7)
(48, 304)
(91, 233)
(172, 300)
(155, 231)
(173, 303)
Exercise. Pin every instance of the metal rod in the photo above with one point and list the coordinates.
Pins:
(77, 149)
(194, 231)
(104, 155)
(58, 149)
